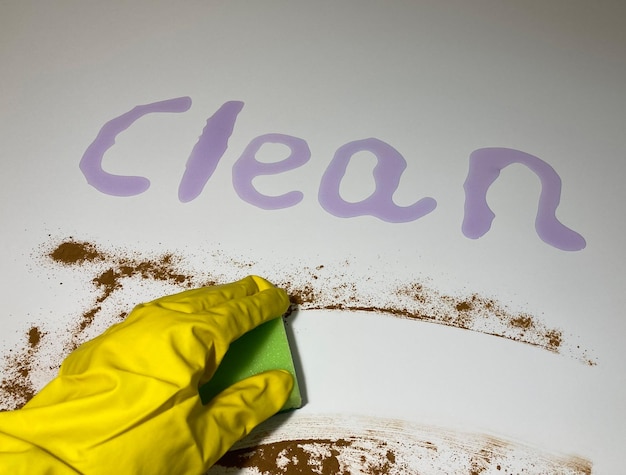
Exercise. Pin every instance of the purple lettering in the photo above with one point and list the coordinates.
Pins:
(91, 162)
(248, 167)
(208, 151)
(387, 174)
(484, 168)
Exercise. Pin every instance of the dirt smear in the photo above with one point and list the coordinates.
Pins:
(109, 272)
(117, 279)
(16, 386)
(342, 445)
(106, 272)
(117, 269)
(320, 288)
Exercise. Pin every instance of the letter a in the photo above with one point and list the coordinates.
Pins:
(387, 173)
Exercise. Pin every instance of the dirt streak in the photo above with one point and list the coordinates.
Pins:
(310, 288)
(319, 445)
(338, 445)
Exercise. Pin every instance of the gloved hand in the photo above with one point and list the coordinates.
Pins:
(127, 401)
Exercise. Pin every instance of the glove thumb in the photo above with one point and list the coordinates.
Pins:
(234, 412)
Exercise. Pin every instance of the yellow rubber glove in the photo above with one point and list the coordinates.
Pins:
(127, 401)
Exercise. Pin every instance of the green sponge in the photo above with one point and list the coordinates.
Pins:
(263, 348)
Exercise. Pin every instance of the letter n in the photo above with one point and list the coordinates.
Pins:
(484, 168)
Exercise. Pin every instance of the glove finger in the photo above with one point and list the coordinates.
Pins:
(233, 413)
(202, 299)
(188, 340)
(233, 318)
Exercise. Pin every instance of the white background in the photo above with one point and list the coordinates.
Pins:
(436, 80)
